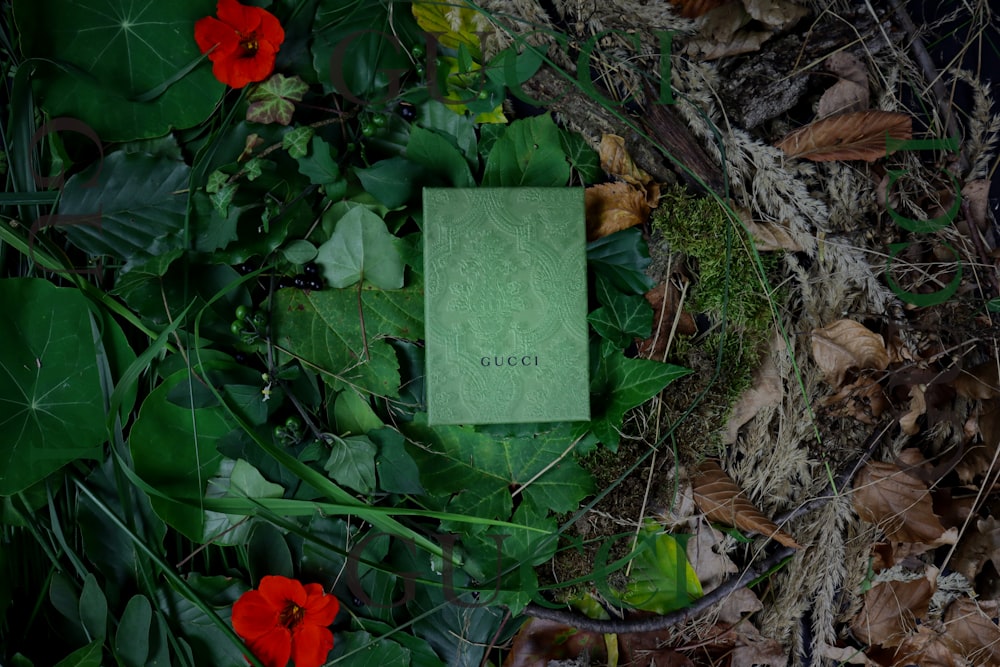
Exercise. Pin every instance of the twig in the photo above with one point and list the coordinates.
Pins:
(728, 586)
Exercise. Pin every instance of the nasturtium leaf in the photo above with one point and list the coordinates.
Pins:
(174, 451)
(662, 580)
(94, 608)
(618, 384)
(390, 181)
(352, 463)
(132, 637)
(361, 247)
(583, 158)
(324, 329)
(438, 156)
(529, 153)
(51, 408)
(296, 142)
(271, 101)
(123, 67)
(139, 203)
(318, 165)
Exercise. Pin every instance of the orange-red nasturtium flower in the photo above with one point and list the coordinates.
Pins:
(241, 43)
(283, 619)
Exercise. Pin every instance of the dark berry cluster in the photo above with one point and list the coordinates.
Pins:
(309, 279)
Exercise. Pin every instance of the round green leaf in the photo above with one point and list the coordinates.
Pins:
(114, 59)
(361, 247)
(50, 400)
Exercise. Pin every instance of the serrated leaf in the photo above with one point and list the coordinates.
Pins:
(139, 201)
(319, 165)
(529, 153)
(361, 248)
(482, 469)
(272, 100)
(618, 384)
(352, 463)
(397, 471)
(324, 328)
(296, 142)
(860, 135)
(584, 159)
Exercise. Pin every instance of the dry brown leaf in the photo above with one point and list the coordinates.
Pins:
(973, 632)
(842, 97)
(650, 648)
(977, 547)
(775, 14)
(864, 399)
(612, 207)
(918, 406)
(722, 34)
(891, 609)
(750, 652)
(765, 391)
(899, 503)
(711, 566)
(540, 641)
(722, 500)
(771, 236)
(859, 135)
(978, 382)
(977, 194)
(927, 648)
(616, 161)
(691, 9)
(846, 655)
(977, 459)
(846, 344)
(847, 66)
(665, 299)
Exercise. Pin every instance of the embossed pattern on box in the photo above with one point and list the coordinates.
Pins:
(505, 305)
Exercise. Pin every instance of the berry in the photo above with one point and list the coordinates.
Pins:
(299, 281)
(244, 268)
(367, 129)
(484, 95)
(259, 319)
(315, 284)
(242, 312)
(379, 120)
(311, 269)
(408, 112)
(279, 432)
(418, 52)
(241, 358)
(285, 282)
(236, 327)
(293, 423)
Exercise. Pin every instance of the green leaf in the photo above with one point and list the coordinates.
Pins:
(662, 580)
(390, 181)
(481, 469)
(296, 142)
(268, 553)
(618, 384)
(51, 405)
(138, 203)
(174, 450)
(319, 165)
(361, 248)
(236, 479)
(88, 656)
(364, 651)
(993, 305)
(271, 100)
(299, 251)
(583, 158)
(94, 608)
(397, 471)
(324, 328)
(623, 317)
(132, 638)
(622, 258)
(208, 643)
(528, 154)
(353, 415)
(112, 54)
(352, 463)
(439, 157)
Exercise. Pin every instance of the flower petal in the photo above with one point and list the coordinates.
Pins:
(210, 32)
(239, 16)
(279, 590)
(274, 648)
(270, 29)
(310, 645)
(320, 608)
(254, 615)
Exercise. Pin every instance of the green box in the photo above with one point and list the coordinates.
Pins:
(506, 305)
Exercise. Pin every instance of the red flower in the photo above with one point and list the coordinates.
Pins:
(241, 43)
(283, 619)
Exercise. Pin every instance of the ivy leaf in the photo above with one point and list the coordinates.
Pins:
(361, 248)
(296, 142)
(319, 165)
(352, 463)
(324, 327)
(272, 100)
(583, 158)
(622, 257)
(623, 317)
(618, 384)
(439, 156)
(528, 154)
(390, 181)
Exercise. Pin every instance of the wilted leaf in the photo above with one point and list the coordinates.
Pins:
(844, 345)
(850, 92)
(974, 634)
(540, 641)
(918, 406)
(452, 24)
(927, 648)
(899, 503)
(891, 609)
(612, 207)
(722, 500)
(848, 136)
(661, 580)
(713, 566)
(977, 547)
(616, 161)
(863, 399)
(758, 651)
(978, 382)
(650, 648)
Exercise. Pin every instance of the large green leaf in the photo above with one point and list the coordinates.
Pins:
(439, 156)
(622, 258)
(361, 248)
(132, 638)
(113, 57)
(618, 384)
(482, 469)
(622, 317)
(528, 154)
(174, 450)
(662, 579)
(139, 201)
(51, 411)
(325, 329)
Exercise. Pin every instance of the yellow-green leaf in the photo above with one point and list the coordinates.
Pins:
(453, 24)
